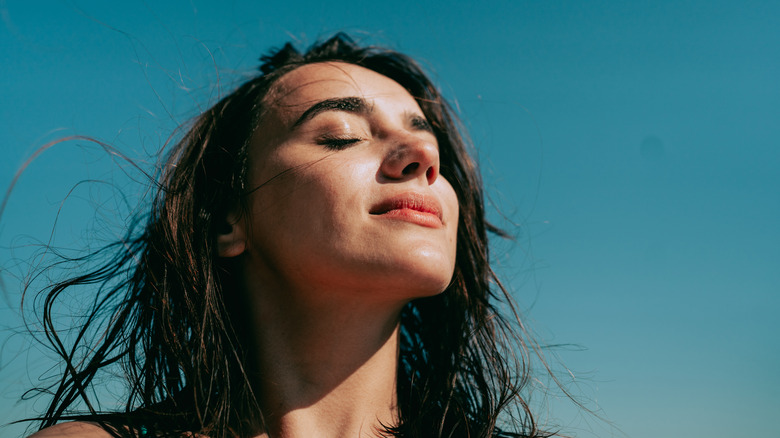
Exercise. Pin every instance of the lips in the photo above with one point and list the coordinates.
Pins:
(411, 207)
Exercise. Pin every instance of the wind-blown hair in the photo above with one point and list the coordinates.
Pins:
(177, 330)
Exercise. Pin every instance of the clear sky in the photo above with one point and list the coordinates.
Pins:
(632, 147)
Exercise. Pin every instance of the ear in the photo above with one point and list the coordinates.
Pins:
(231, 238)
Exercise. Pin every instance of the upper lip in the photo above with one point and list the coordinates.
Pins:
(411, 200)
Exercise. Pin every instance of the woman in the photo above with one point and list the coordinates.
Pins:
(315, 264)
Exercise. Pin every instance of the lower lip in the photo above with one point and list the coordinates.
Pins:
(414, 216)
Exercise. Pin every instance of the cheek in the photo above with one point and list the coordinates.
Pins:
(450, 204)
(337, 199)
(312, 201)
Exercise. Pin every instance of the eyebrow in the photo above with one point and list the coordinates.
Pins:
(356, 105)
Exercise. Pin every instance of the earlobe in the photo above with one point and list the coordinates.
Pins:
(231, 238)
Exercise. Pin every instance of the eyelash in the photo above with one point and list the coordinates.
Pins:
(422, 124)
(338, 143)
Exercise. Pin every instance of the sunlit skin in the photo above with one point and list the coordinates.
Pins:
(347, 219)
(317, 180)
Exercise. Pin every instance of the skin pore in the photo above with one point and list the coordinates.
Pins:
(345, 221)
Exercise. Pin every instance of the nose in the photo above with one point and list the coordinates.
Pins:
(409, 157)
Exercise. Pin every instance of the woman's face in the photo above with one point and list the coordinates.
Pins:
(347, 194)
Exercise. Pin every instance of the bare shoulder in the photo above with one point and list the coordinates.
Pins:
(72, 429)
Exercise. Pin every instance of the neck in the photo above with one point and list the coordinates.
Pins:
(325, 368)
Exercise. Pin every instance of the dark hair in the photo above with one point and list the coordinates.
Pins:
(462, 365)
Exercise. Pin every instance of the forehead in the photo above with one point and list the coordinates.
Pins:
(312, 83)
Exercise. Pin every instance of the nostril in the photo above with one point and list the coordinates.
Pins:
(410, 168)
(429, 173)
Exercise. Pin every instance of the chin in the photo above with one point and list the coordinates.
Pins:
(428, 278)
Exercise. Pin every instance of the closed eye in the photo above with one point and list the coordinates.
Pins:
(337, 143)
(421, 124)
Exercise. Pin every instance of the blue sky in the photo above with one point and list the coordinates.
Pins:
(632, 147)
